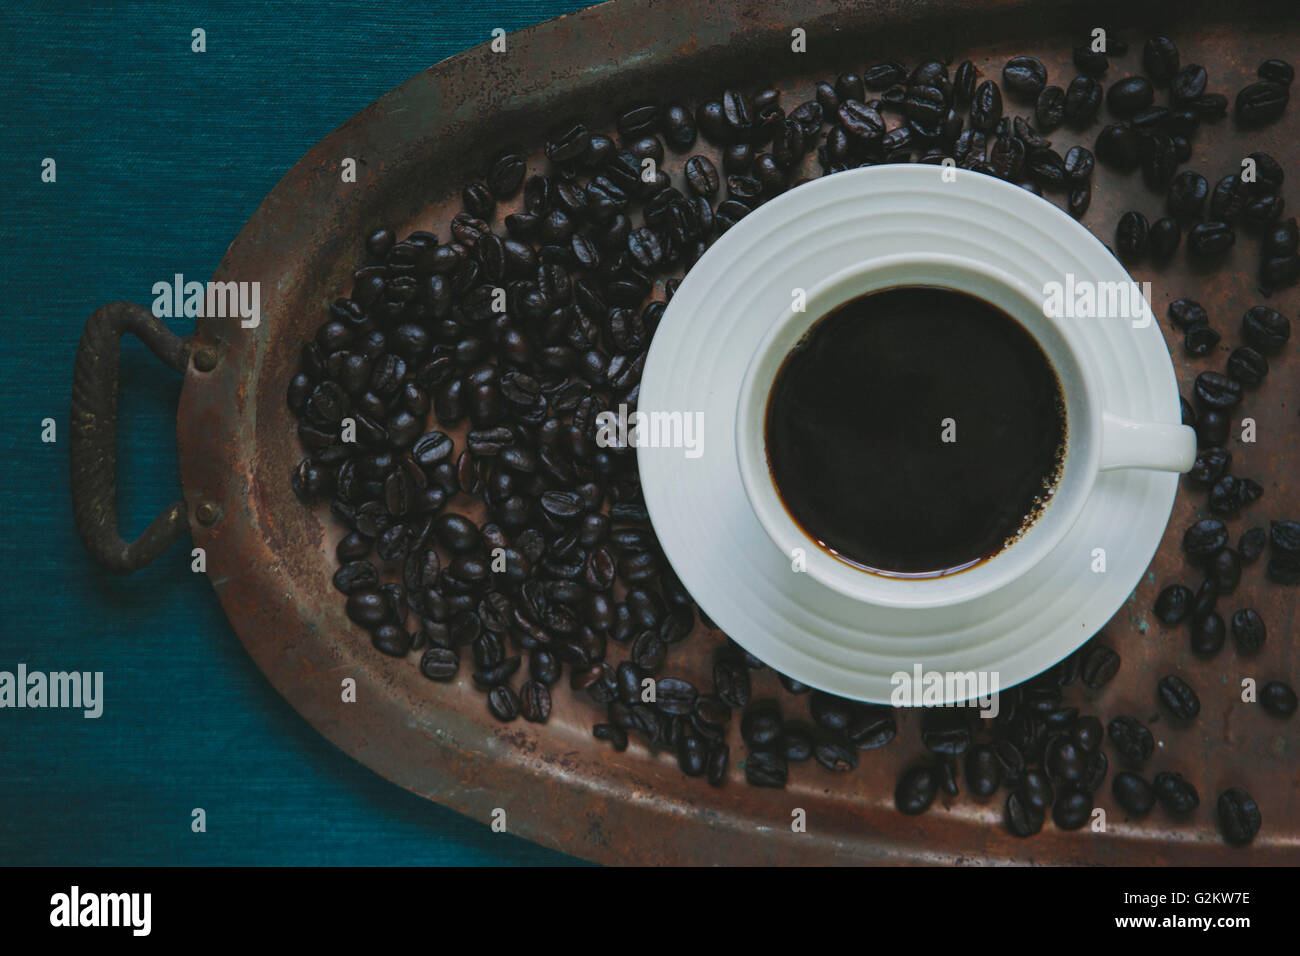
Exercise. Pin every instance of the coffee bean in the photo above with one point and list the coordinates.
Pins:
(1072, 809)
(1278, 699)
(983, 770)
(1099, 665)
(765, 768)
(1208, 239)
(1248, 631)
(535, 701)
(1208, 635)
(1178, 697)
(1082, 100)
(1025, 77)
(1199, 340)
(1131, 235)
(944, 730)
(1173, 605)
(1160, 59)
(1064, 761)
(1175, 794)
(916, 790)
(1239, 816)
(760, 726)
(1131, 738)
(1119, 146)
(1129, 95)
(835, 754)
(439, 663)
(1216, 390)
(1204, 538)
(1247, 366)
(1260, 103)
(1266, 329)
(1163, 238)
(1022, 819)
(1133, 794)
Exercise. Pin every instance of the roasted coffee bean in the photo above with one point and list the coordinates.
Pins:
(1278, 699)
(872, 727)
(1082, 100)
(1247, 366)
(1208, 635)
(797, 743)
(835, 755)
(1064, 761)
(944, 730)
(830, 712)
(916, 790)
(1239, 816)
(1216, 390)
(1131, 235)
(440, 663)
(1072, 809)
(1266, 329)
(764, 768)
(1160, 59)
(1251, 545)
(1049, 109)
(1175, 794)
(1133, 794)
(1022, 818)
(1129, 95)
(1285, 536)
(760, 726)
(1098, 666)
(983, 771)
(503, 703)
(1178, 697)
(1208, 239)
(1173, 605)
(1261, 103)
(1187, 194)
(1087, 732)
(986, 107)
(1119, 146)
(356, 576)
(1164, 237)
(1025, 77)
(1198, 341)
(1248, 631)
(1131, 738)
(1204, 538)
(963, 83)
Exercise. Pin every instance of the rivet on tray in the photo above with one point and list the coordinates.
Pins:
(207, 513)
(205, 359)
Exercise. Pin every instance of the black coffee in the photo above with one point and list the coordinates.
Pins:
(915, 431)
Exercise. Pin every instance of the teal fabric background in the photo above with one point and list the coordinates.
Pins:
(162, 155)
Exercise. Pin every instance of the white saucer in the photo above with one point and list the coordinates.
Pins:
(698, 506)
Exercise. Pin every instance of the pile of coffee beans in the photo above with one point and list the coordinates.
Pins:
(449, 408)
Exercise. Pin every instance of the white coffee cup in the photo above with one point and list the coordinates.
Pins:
(1096, 440)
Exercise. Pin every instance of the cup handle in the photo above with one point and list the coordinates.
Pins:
(1153, 445)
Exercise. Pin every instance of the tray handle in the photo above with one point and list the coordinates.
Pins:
(93, 444)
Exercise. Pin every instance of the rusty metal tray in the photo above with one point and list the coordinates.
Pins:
(270, 560)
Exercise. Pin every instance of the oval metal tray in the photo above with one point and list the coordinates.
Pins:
(270, 560)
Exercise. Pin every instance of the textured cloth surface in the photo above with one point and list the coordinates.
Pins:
(162, 154)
